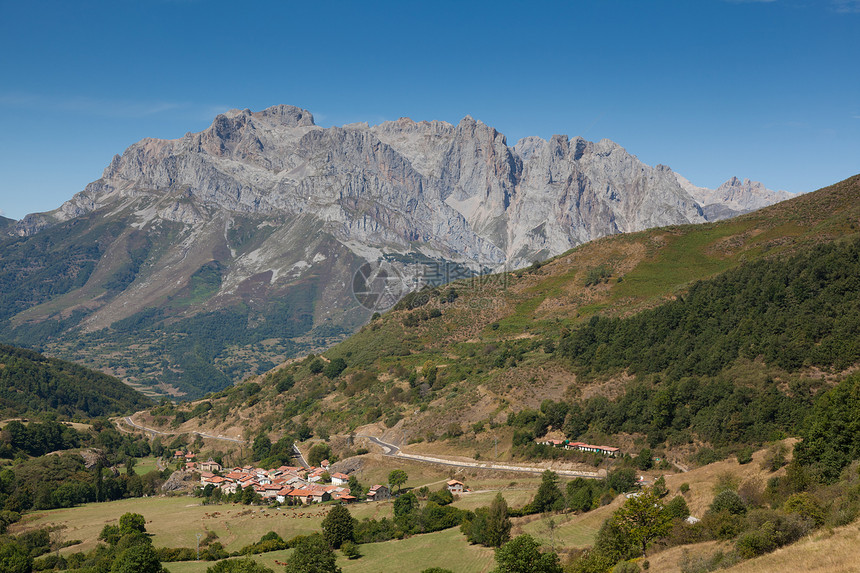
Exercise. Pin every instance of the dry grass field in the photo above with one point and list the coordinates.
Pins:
(702, 480)
(176, 521)
(571, 531)
(823, 552)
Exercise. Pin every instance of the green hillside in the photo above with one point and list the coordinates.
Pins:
(717, 334)
(31, 383)
(62, 289)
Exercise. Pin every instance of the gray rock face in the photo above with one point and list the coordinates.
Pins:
(458, 192)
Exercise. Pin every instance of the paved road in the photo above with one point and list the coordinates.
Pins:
(131, 423)
(302, 459)
(393, 451)
(387, 449)
(154, 432)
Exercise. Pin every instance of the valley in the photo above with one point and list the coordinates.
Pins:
(410, 287)
(715, 363)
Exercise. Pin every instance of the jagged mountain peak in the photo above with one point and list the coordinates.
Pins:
(733, 197)
(266, 206)
(288, 115)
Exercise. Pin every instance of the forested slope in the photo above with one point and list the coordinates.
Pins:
(32, 383)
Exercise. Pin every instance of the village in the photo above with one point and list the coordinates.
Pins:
(288, 485)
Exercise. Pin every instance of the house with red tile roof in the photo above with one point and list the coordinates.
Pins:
(378, 493)
(300, 495)
(455, 486)
(282, 495)
(316, 475)
(210, 466)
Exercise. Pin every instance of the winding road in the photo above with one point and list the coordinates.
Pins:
(394, 451)
(155, 432)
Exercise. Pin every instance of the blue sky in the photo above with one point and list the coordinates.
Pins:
(768, 90)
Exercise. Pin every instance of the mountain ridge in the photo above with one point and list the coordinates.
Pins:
(263, 218)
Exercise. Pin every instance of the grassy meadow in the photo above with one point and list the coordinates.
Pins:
(176, 521)
(448, 549)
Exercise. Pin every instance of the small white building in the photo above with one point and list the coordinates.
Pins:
(455, 486)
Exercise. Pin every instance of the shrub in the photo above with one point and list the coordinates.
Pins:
(768, 530)
(753, 543)
(726, 481)
(246, 565)
(316, 366)
(775, 457)
(285, 383)
(441, 497)
(722, 524)
(626, 567)
(677, 508)
(350, 550)
(728, 500)
(805, 505)
(334, 368)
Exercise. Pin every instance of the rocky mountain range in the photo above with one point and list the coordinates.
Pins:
(193, 262)
(732, 198)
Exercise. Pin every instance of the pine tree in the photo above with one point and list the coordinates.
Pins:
(100, 490)
(548, 495)
(498, 523)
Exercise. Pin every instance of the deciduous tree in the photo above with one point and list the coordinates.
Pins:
(642, 519)
(313, 555)
(397, 478)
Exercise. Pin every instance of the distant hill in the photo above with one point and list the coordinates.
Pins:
(6, 224)
(727, 330)
(31, 383)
